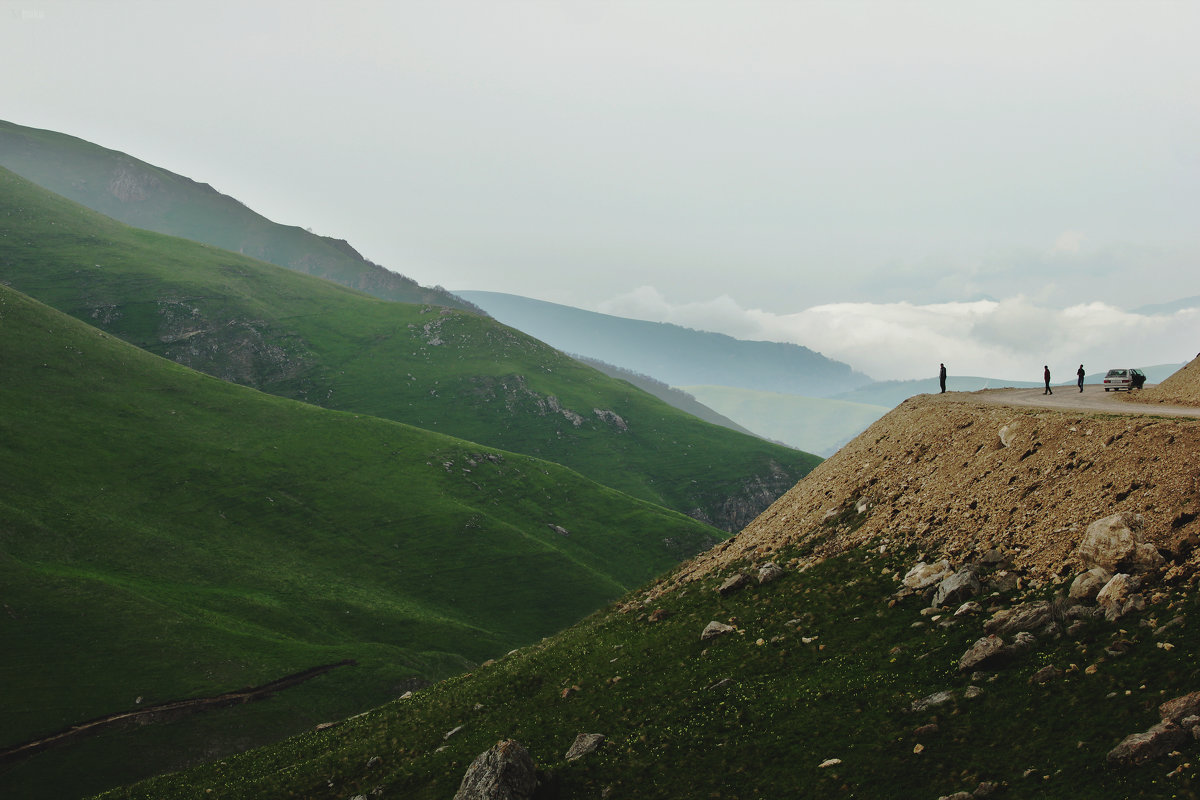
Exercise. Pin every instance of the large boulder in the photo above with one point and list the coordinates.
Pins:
(506, 772)
(1111, 541)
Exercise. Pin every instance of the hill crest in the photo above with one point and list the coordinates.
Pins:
(955, 478)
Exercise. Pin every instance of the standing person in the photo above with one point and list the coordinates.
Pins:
(1079, 372)
(942, 378)
(1046, 377)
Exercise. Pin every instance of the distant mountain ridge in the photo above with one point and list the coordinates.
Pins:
(671, 353)
(145, 196)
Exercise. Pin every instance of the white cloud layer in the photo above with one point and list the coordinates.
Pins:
(1008, 339)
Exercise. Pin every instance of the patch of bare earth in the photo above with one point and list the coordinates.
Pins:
(955, 478)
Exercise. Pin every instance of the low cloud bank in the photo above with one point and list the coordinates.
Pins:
(1009, 339)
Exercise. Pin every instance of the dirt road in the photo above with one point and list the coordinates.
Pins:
(1067, 398)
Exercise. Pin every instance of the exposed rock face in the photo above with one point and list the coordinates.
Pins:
(506, 772)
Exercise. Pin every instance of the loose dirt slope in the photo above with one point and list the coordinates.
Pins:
(954, 476)
(1182, 388)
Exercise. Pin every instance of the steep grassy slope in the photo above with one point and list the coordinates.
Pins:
(167, 535)
(150, 197)
(454, 372)
(671, 353)
(835, 679)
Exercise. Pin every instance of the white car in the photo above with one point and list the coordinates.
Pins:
(1117, 379)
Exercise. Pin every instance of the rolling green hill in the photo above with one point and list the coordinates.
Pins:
(450, 371)
(166, 535)
(153, 198)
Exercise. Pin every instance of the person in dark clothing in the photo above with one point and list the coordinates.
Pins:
(1046, 377)
(1079, 372)
(942, 378)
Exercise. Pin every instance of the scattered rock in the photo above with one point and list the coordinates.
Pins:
(1179, 708)
(1026, 617)
(1006, 433)
(987, 650)
(1088, 584)
(505, 772)
(932, 701)
(1046, 674)
(769, 572)
(1138, 748)
(958, 587)
(829, 762)
(969, 607)
(584, 743)
(715, 629)
(925, 575)
(1118, 598)
(732, 584)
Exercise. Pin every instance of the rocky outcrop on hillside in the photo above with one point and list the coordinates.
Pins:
(1181, 389)
(957, 479)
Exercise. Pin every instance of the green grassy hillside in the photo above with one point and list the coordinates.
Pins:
(166, 535)
(450, 371)
(150, 197)
(828, 687)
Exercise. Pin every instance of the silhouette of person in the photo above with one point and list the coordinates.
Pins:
(1079, 372)
(1046, 377)
(942, 378)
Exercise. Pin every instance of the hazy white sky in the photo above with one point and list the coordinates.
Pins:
(892, 183)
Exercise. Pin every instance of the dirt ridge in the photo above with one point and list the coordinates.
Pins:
(166, 711)
(955, 477)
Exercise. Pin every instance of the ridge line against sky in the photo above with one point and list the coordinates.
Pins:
(990, 184)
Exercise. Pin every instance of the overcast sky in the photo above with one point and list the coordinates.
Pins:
(895, 184)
